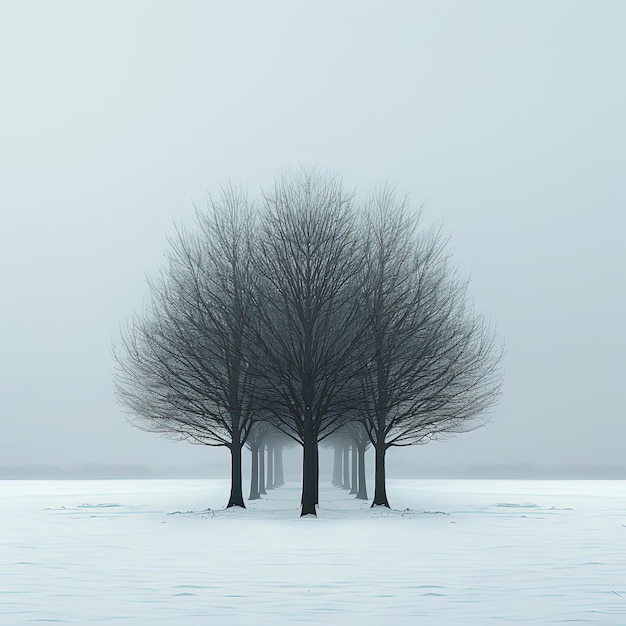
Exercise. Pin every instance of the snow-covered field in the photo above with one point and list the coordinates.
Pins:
(148, 552)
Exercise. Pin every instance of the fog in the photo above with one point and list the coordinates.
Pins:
(504, 119)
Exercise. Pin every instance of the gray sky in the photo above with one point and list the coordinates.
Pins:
(505, 118)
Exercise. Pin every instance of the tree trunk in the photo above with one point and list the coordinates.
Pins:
(354, 471)
(254, 475)
(309, 473)
(236, 493)
(337, 466)
(262, 470)
(279, 473)
(269, 479)
(380, 486)
(362, 491)
(346, 466)
(317, 473)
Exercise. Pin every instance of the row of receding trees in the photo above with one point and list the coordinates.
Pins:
(266, 445)
(265, 442)
(313, 314)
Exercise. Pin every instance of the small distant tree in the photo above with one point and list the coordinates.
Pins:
(361, 442)
(346, 464)
(276, 442)
(431, 364)
(339, 443)
(354, 480)
(183, 363)
(269, 475)
(265, 437)
(280, 443)
(255, 442)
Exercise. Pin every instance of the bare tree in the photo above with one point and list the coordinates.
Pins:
(354, 480)
(432, 365)
(280, 443)
(269, 478)
(359, 435)
(335, 442)
(262, 491)
(255, 442)
(183, 365)
(277, 441)
(346, 464)
(306, 333)
(307, 322)
(339, 442)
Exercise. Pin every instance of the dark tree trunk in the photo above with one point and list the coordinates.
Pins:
(380, 486)
(309, 475)
(337, 466)
(317, 474)
(362, 491)
(269, 479)
(254, 475)
(355, 479)
(279, 473)
(236, 492)
(262, 470)
(346, 466)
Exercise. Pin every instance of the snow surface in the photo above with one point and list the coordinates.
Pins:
(462, 552)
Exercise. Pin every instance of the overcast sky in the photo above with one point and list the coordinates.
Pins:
(506, 119)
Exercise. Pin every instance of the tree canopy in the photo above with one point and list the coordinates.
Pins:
(310, 312)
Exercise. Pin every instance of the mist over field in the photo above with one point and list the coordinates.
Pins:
(399, 468)
(140, 138)
(503, 119)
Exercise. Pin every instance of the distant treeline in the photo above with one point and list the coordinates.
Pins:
(492, 472)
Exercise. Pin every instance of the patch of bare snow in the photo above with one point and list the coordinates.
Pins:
(454, 552)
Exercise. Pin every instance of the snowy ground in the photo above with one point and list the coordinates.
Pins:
(148, 552)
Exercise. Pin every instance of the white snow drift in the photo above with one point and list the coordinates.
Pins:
(470, 552)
